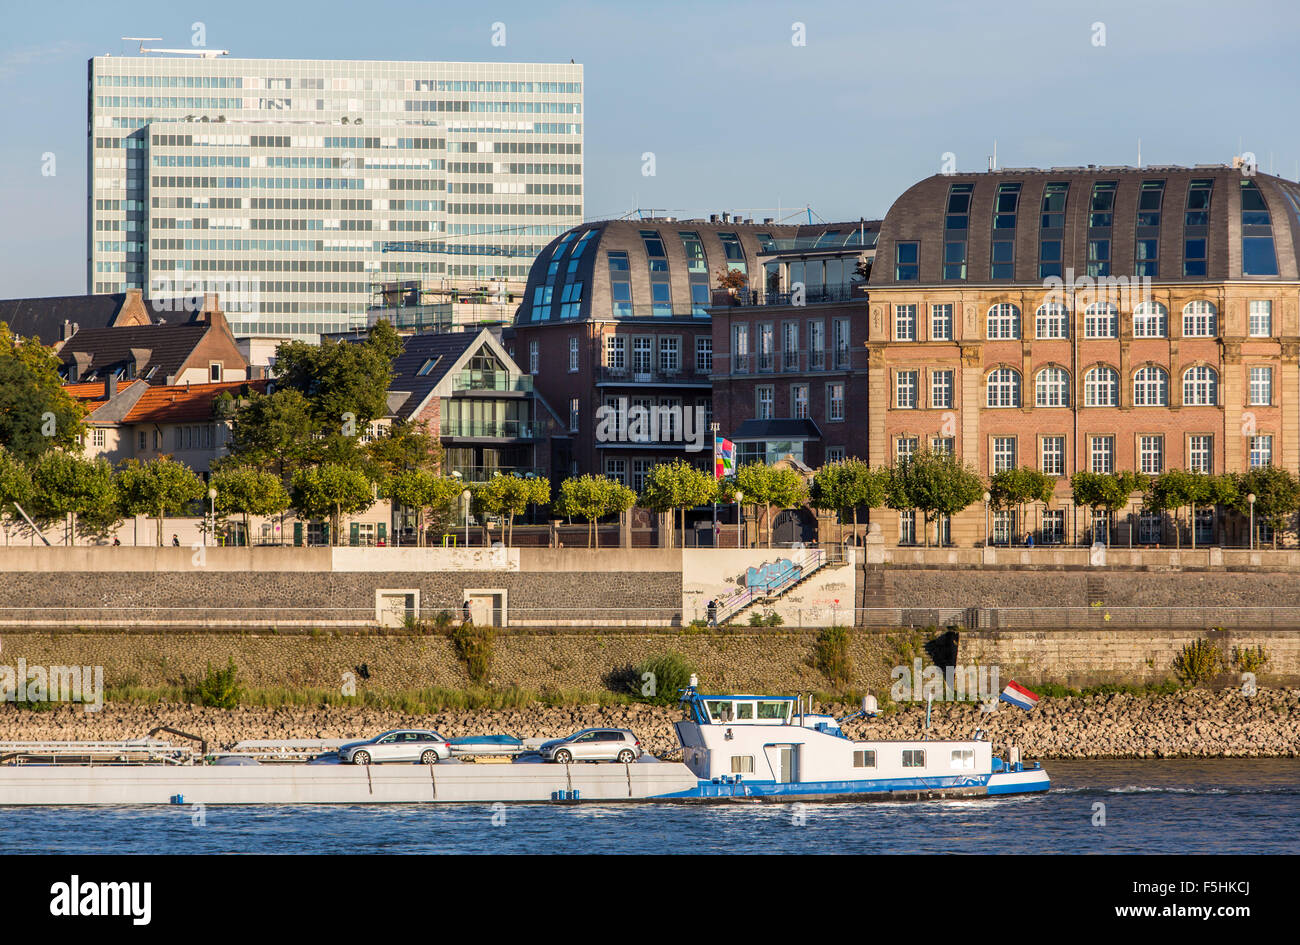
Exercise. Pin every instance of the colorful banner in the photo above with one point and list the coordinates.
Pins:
(724, 457)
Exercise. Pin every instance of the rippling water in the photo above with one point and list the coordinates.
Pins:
(1221, 806)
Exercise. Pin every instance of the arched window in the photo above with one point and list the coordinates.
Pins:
(1200, 387)
(1004, 388)
(1200, 319)
(1052, 388)
(1052, 320)
(1151, 387)
(1004, 321)
(1101, 320)
(1150, 320)
(1101, 387)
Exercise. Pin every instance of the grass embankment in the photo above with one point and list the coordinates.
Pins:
(415, 702)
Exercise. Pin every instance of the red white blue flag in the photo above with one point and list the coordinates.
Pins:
(1018, 695)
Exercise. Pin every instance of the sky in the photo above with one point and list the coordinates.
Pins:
(740, 115)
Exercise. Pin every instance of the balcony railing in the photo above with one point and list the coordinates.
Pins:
(682, 375)
(812, 295)
(492, 380)
(484, 473)
(496, 429)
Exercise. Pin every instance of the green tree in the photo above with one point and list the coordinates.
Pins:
(271, 431)
(510, 496)
(938, 484)
(248, 491)
(15, 484)
(64, 485)
(677, 485)
(331, 491)
(1170, 491)
(1014, 488)
(847, 486)
(36, 413)
(346, 383)
(423, 491)
(1277, 496)
(159, 487)
(592, 498)
(1110, 491)
(404, 445)
(771, 487)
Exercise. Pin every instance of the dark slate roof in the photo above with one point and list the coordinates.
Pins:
(919, 215)
(787, 428)
(443, 347)
(169, 347)
(43, 318)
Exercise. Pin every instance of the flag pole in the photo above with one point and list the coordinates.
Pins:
(713, 430)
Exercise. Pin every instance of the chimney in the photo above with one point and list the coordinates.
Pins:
(110, 387)
(67, 330)
(726, 218)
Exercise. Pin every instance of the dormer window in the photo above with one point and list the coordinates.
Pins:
(214, 372)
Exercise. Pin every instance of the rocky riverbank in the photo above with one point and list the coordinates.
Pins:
(1198, 724)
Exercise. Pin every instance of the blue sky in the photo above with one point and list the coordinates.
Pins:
(738, 117)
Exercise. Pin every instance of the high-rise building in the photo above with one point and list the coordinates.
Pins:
(298, 188)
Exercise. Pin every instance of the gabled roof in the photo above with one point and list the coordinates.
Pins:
(43, 318)
(437, 354)
(184, 403)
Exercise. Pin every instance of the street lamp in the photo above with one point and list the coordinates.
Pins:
(740, 517)
(987, 497)
(1250, 498)
(467, 497)
(212, 505)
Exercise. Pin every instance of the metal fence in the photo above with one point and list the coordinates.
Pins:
(1082, 618)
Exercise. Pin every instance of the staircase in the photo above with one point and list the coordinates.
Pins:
(803, 566)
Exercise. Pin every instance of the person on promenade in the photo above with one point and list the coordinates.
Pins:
(176, 541)
(712, 611)
(466, 618)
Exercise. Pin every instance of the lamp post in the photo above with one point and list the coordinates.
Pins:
(1250, 498)
(212, 506)
(987, 497)
(740, 517)
(467, 497)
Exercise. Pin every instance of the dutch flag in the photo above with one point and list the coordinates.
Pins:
(1018, 695)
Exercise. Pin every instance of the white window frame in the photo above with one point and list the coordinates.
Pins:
(905, 322)
(1261, 386)
(1052, 387)
(1002, 388)
(1101, 453)
(1051, 455)
(1002, 454)
(573, 354)
(1151, 453)
(1200, 453)
(941, 321)
(1052, 321)
(1151, 386)
(1261, 318)
(1200, 386)
(906, 393)
(1002, 322)
(1101, 320)
(941, 388)
(1101, 380)
(1261, 450)
(1200, 319)
(1150, 320)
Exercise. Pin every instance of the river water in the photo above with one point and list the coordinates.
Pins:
(1216, 806)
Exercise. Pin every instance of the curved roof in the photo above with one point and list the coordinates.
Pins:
(576, 266)
(1233, 213)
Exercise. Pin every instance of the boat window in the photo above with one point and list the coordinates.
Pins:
(719, 711)
(864, 759)
(914, 758)
(773, 710)
(963, 758)
(744, 710)
(742, 764)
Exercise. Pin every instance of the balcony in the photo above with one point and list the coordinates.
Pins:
(492, 381)
(493, 429)
(484, 473)
(812, 295)
(682, 377)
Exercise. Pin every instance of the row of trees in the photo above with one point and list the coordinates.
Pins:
(938, 485)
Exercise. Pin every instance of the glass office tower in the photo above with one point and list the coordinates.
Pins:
(297, 189)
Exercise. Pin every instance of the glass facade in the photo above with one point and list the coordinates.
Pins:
(294, 188)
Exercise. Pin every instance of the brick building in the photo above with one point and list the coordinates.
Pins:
(1099, 318)
(790, 366)
(615, 326)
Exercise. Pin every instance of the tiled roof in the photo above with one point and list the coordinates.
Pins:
(92, 394)
(182, 403)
